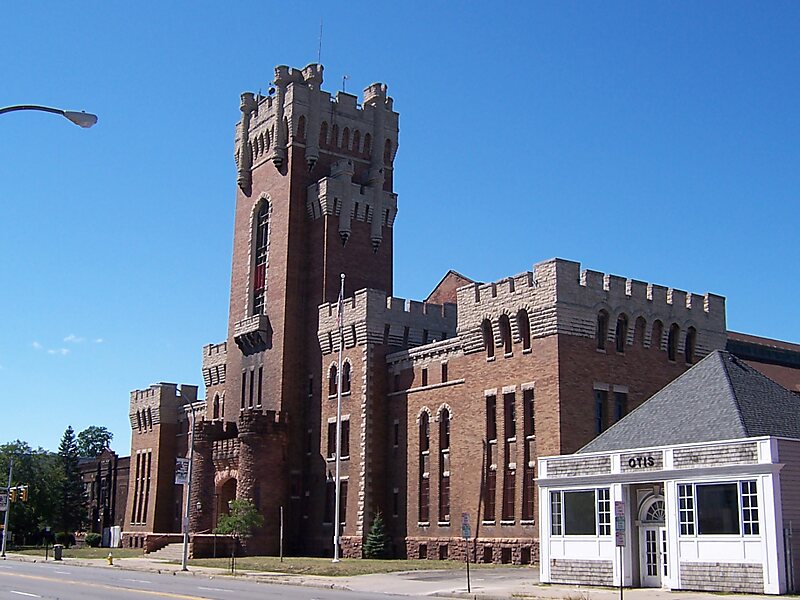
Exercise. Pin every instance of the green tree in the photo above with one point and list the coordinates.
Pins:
(240, 522)
(71, 507)
(36, 469)
(377, 544)
(93, 440)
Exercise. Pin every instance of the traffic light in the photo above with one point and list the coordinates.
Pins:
(24, 493)
(12, 494)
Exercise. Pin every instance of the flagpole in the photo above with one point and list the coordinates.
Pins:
(336, 522)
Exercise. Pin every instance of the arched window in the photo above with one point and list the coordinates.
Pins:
(387, 152)
(638, 331)
(335, 135)
(261, 245)
(505, 333)
(301, 127)
(524, 327)
(356, 141)
(149, 418)
(621, 332)
(658, 333)
(346, 138)
(488, 338)
(215, 409)
(367, 144)
(672, 341)
(691, 342)
(424, 467)
(345, 377)
(323, 134)
(444, 466)
(139, 421)
(333, 381)
(602, 330)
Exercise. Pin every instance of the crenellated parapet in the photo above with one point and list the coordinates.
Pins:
(370, 316)
(559, 298)
(160, 403)
(297, 111)
(214, 363)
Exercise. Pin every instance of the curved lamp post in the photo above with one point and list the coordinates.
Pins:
(81, 119)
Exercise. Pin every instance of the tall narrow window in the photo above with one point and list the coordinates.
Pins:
(331, 439)
(216, 406)
(488, 338)
(600, 398)
(260, 389)
(620, 405)
(672, 341)
(691, 342)
(621, 332)
(356, 140)
(491, 459)
(505, 333)
(524, 327)
(444, 466)
(510, 470)
(252, 386)
(333, 381)
(424, 468)
(638, 331)
(262, 243)
(424, 376)
(345, 438)
(323, 134)
(244, 389)
(346, 378)
(602, 330)
(330, 500)
(528, 478)
(444, 372)
(346, 139)
(658, 332)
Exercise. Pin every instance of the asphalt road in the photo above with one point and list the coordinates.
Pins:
(20, 580)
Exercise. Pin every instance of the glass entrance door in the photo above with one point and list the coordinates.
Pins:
(655, 564)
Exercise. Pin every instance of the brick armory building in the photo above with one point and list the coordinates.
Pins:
(447, 403)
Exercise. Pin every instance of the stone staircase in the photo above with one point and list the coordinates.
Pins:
(172, 552)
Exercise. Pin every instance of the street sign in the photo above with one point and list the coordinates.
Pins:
(181, 471)
(466, 531)
(619, 524)
(3, 501)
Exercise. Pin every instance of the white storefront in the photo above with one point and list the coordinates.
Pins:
(702, 516)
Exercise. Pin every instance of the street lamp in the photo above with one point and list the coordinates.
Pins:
(81, 119)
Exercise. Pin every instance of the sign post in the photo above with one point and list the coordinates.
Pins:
(619, 535)
(466, 533)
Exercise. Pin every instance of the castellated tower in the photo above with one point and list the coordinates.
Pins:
(314, 200)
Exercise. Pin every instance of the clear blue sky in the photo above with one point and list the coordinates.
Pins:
(652, 140)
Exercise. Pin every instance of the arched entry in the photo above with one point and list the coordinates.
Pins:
(654, 560)
(225, 493)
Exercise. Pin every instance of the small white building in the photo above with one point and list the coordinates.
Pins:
(701, 484)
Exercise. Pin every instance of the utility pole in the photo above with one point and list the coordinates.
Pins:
(8, 505)
(185, 560)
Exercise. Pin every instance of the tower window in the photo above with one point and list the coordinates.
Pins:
(638, 331)
(600, 399)
(488, 337)
(602, 330)
(262, 243)
(621, 332)
(346, 378)
(356, 141)
(333, 381)
(367, 144)
(658, 332)
(691, 342)
(346, 139)
(524, 327)
(505, 333)
(672, 341)
(216, 406)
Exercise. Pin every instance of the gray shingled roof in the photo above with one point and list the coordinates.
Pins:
(720, 398)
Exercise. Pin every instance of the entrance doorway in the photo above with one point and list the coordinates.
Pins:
(653, 544)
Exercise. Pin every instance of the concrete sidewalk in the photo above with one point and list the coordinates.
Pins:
(486, 584)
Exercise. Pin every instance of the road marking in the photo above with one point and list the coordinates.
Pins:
(210, 589)
(138, 580)
(104, 586)
(63, 572)
(24, 594)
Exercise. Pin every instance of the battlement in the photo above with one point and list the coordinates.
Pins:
(159, 404)
(255, 422)
(215, 358)
(298, 111)
(560, 297)
(371, 316)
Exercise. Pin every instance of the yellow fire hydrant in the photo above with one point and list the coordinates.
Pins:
(110, 559)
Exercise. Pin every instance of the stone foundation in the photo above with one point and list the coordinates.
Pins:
(512, 551)
(352, 546)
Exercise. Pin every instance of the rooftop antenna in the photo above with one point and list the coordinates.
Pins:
(319, 49)
(344, 82)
